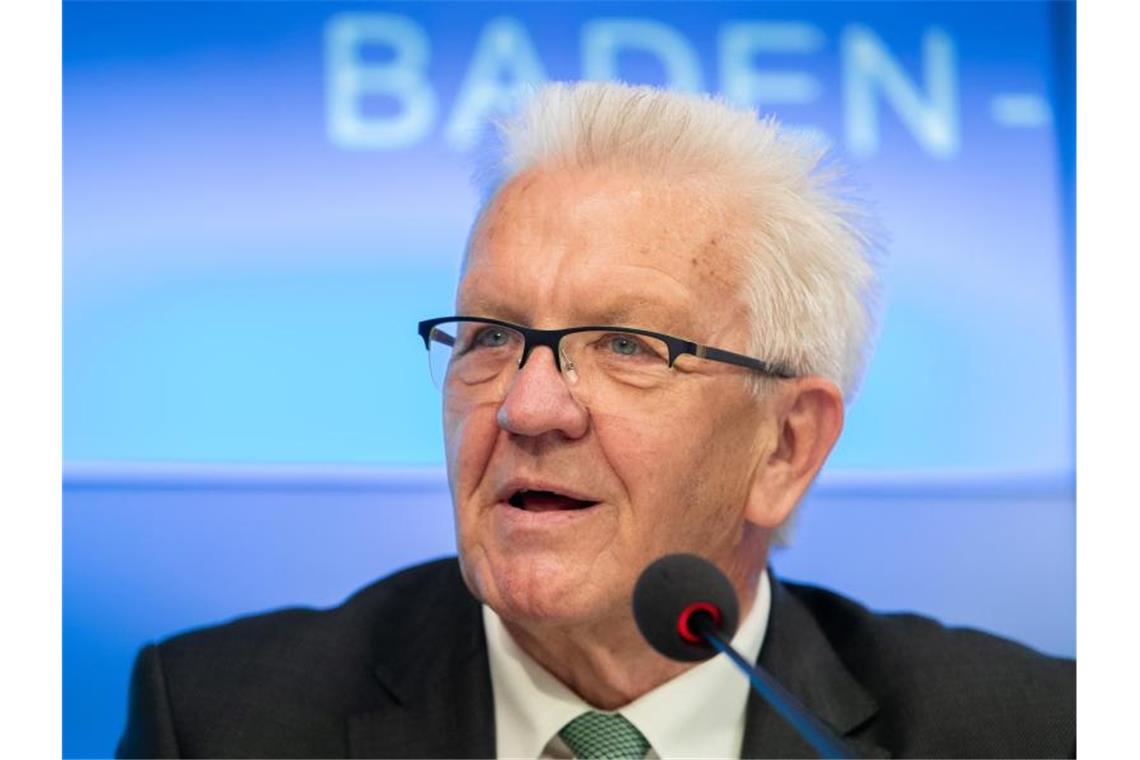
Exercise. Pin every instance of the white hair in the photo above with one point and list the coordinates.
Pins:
(808, 274)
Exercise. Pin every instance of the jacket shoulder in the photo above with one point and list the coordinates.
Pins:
(283, 682)
(945, 691)
(321, 638)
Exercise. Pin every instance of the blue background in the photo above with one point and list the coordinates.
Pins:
(248, 417)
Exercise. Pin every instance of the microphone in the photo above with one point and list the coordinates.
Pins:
(687, 610)
(674, 589)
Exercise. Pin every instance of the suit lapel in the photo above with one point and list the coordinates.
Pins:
(433, 667)
(798, 655)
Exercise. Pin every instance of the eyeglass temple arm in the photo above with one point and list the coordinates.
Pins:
(740, 360)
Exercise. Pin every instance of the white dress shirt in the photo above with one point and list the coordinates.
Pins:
(698, 714)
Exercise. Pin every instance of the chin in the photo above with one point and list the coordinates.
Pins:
(537, 590)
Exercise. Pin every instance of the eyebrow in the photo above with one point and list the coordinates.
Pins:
(635, 311)
(631, 312)
(492, 309)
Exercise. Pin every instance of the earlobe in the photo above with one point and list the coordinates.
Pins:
(808, 417)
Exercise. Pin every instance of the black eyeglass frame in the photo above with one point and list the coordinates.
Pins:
(533, 337)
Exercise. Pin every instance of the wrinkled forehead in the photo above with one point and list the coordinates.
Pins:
(616, 244)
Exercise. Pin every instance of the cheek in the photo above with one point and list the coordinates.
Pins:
(654, 458)
(732, 457)
(685, 473)
(469, 436)
(631, 446)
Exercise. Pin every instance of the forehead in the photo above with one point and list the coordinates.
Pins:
(606, 246)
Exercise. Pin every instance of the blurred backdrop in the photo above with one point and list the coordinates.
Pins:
(262, 199)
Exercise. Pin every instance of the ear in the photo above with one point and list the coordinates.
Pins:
(808, 416)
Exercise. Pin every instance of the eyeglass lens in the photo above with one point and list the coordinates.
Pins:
(479, 360)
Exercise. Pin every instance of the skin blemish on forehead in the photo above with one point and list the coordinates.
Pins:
(489, 229)
(717, 262)
(523, 183)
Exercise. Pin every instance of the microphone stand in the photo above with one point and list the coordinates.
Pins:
(821, 738)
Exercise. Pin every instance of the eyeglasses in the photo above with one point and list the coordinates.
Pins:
(477, 356)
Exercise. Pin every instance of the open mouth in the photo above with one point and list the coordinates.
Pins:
(546, 501)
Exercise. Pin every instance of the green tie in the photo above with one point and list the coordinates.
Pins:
(598, 735)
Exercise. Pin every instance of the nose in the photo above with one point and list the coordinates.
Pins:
(539, 401)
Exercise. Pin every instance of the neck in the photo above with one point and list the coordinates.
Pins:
(606, 661)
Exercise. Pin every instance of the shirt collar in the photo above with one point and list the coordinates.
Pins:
(531, 705)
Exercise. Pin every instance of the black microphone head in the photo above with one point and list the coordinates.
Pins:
(673, 588)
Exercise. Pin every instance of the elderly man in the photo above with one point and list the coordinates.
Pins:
(661, 313)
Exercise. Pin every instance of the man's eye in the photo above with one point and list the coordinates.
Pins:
(492, 337)
(625, 345)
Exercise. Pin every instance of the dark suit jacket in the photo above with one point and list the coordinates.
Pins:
(400, 670)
